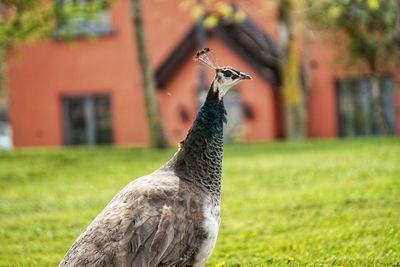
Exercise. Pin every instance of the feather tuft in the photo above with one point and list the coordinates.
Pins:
(206, 57)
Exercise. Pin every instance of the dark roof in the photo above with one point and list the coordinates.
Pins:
(246, 39)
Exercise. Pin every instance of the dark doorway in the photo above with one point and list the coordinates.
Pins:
(87, 120)
(355, 109)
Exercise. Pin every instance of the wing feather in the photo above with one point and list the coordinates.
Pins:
(154, 221)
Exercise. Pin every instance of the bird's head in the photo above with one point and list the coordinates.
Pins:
(225, 77)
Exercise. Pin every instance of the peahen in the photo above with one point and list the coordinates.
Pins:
(171, 216)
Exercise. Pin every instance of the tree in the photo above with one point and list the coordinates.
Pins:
(368, 28)
(294, 94)
(157, 138)
(397, 33)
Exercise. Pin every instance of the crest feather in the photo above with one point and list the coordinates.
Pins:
(205, 56)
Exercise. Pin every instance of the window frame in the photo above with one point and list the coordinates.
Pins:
(89, 107)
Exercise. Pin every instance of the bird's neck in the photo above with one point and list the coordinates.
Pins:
(200, 156)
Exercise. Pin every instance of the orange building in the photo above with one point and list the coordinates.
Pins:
(88, 91)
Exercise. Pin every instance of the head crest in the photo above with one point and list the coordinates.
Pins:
(206, 57)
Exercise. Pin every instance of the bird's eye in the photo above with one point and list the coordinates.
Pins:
(227, 73)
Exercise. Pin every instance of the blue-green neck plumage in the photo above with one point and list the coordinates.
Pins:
(200, 157)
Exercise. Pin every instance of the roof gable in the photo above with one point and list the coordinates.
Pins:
(249, 42)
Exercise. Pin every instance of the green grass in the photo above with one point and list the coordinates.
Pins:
(315, 203)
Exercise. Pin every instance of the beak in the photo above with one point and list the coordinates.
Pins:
(244, 76)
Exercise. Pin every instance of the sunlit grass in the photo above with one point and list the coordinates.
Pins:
(315, 203)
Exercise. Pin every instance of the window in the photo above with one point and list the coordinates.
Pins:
(87, 120)
(355, 110)
(82, 18)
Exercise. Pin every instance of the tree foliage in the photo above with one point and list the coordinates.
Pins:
(23, 20)
(26, 20)
(212, 13)
(369, 26)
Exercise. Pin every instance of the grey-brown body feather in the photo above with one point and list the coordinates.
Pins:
(154, 221)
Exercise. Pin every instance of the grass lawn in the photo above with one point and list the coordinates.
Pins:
(314, 203)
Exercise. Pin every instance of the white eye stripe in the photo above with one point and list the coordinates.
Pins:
(231, 73)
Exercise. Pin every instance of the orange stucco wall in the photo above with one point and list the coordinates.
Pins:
(322, 120)
(40, 74)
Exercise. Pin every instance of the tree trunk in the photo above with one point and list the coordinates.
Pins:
(3, 93)
(294, 99)
(157, 138)
(397, 31)
(307, 59)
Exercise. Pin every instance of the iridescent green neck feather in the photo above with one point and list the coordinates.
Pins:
(200, 158)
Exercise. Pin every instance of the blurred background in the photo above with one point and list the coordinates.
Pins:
(106, 82)
(87, 72)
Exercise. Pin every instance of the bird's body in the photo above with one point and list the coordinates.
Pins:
(157, 220)
(171, 216)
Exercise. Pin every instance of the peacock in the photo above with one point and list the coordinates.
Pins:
(170, 217)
